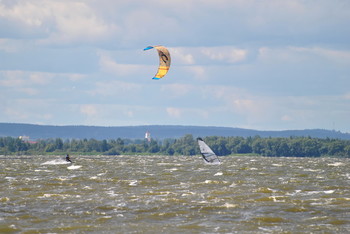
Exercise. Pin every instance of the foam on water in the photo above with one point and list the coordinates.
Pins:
(56, 162)
(172, 169)
(74, 167)
(133, 183)
(39, 170)
(10, 178)
(336, 164)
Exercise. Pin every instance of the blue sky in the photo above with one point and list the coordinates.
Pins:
(266, 65)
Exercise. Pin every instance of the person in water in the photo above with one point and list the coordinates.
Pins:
(68, 159)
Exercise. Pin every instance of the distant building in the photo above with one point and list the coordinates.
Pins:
(24, 138)
(148, 136)
(27, 139)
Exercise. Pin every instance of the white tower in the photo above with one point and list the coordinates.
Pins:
(148, 136)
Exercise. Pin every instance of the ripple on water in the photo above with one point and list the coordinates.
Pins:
(131, 194)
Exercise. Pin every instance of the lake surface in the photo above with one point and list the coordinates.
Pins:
(172, 194)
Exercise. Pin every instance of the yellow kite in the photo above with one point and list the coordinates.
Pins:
(164, 61)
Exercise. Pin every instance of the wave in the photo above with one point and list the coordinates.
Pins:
(55, 162)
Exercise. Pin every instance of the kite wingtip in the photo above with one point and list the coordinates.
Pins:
(148, 48)
(155, 78)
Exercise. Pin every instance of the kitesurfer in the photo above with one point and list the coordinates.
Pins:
(68, 159)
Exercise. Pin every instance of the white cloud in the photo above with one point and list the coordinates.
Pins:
(198, 72)
(129, 113)
(29, 91)
(293, 54)
(208, 55)
(147, 24)
(12, 78)
(182, 56)
(176, 89)
(108, 65)
(77, 22)
(10, 46)
(18, 115)
(225, 54)
(347, 96)
(76, 77)
(335, 56)
(286, 118)
(27, 110)
(89, 110)
(27, 12)
(18, 79)
(174, 112)
(238, 102)
(284, 112)
(40, 78)
(115, 88)
(61, 22)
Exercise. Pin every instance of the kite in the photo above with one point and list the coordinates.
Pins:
(164, 61)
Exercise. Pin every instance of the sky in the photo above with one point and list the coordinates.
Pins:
(255, 64)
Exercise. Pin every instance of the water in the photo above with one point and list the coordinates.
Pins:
(153, 194)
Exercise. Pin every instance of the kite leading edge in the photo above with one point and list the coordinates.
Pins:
(164, 61)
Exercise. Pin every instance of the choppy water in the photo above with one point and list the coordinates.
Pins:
(153, 194)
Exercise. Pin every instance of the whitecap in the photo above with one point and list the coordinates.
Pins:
(46, 195)
(171, 169)
(313, 192)
(73, 167)
(112, 193)
(229, 205)
(277, 198)
(233, 185)
(211, 182)
(133, 183)
(9, 178)
(56, 162)
(62, 178)
(187, 194)
(294, 193)
(312, 170)
(318, 192)
(336, 164)
(43, 170)
(203, 202)
(218, 174)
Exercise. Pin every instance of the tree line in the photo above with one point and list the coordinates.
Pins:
(186, 145)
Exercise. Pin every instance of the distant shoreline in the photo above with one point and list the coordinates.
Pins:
(159, 132)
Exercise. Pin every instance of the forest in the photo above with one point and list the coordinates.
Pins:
(186, 145)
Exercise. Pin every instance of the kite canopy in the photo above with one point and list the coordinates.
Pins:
(164, 61)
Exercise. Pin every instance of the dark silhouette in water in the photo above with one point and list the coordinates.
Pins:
(68, 159)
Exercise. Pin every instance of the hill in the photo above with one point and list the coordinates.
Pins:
(157, 132)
